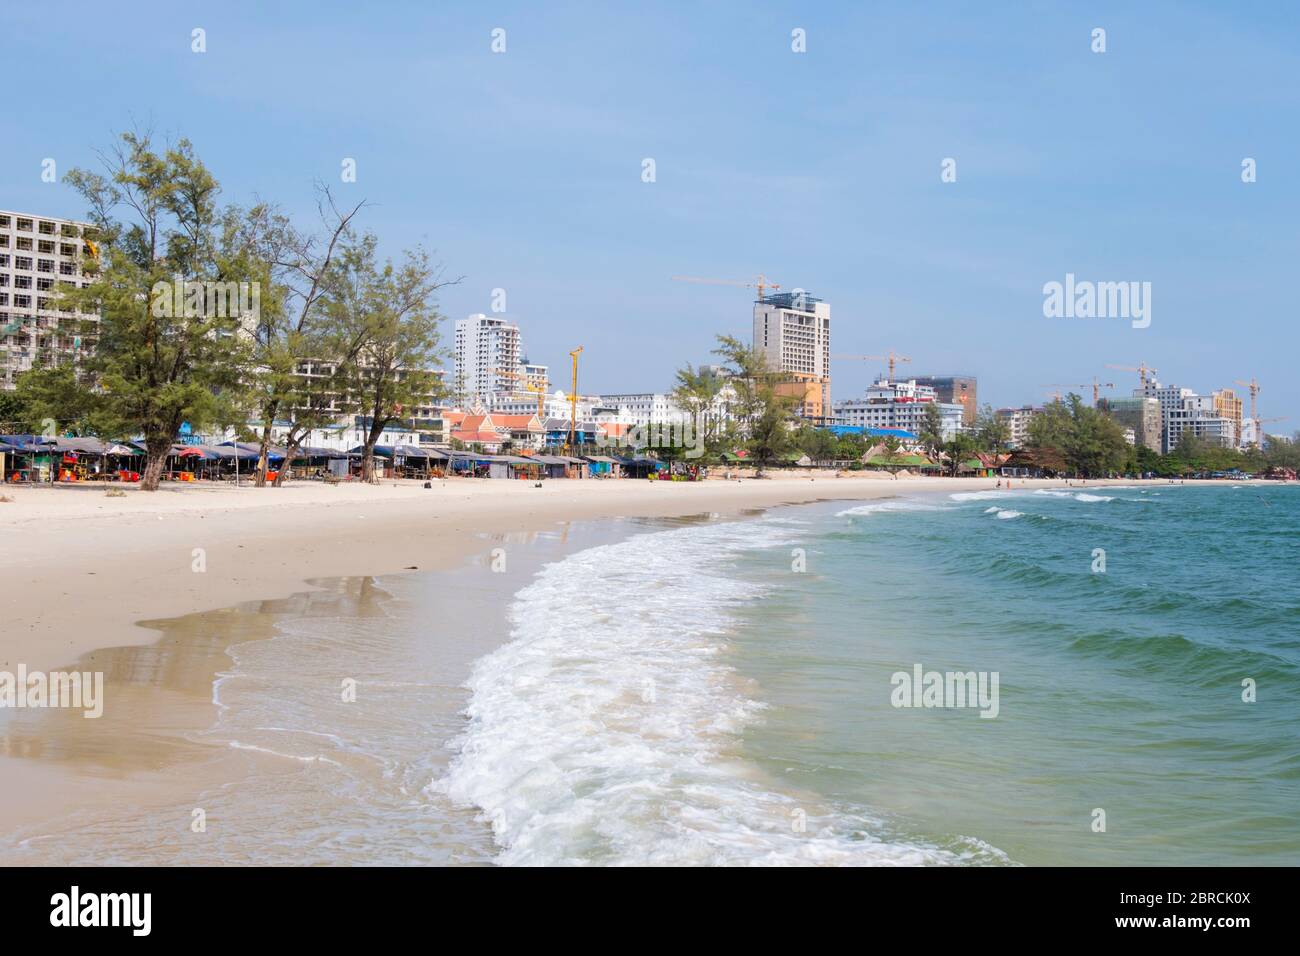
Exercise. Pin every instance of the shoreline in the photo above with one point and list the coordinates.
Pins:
(371, 533)
(82, 571)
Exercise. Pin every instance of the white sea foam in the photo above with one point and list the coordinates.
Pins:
(1076, 495)
(891, 504)
(983, 495)
(606, 731)
(1006, 514)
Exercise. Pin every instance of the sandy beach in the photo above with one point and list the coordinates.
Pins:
(82, 571)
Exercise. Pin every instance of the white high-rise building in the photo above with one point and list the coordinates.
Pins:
(793, 332)
(39, 255)
(1182, 412)
(487, 354)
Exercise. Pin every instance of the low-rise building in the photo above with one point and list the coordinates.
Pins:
(898, 405)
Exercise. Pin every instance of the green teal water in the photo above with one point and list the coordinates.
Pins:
(1120, 692)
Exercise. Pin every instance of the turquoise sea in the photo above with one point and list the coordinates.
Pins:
(720, 705)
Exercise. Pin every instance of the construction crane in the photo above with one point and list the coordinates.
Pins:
(1253, 387)
(1144, 371)
(891, 357)
(573, 402)
(759, 282)
(541, 396)
(1096, 387)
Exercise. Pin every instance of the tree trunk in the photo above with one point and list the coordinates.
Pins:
(290, 450)
(155, 461)
(263, 457)
(367, 451)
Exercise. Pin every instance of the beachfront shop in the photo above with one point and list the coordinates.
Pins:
(29, 458)
(602, 466)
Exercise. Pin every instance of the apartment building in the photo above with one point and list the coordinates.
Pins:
(792, 330)
(902, 405)
(1017, 421)
(487, 354)
(39, 256)
(1141, 414)
(954, 390)
(1183, 412)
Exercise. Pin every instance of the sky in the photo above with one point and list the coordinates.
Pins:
(522, 170)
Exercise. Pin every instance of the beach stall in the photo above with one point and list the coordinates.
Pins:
(602, 466)
(639, 467)
(17, 452)
(312, 461)
(559, 466)
(239, 460)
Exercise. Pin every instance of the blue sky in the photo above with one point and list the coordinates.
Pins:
(523, 169)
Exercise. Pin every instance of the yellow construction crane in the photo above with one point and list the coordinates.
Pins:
(1142, 368)
(541, 396)
(891, 357)
(1096, 387)
(759, 282)
(573, 402)
(520, 381)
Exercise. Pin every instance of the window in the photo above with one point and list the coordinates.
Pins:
(68, 230)
(43, 284)
(67, 249)
(22, 301)
(24, 243)
(45, 246)
(24, 225)
(47, 228)
(22, 282)
(4, 222)
(45, 265)
(4, 242)
(67, 269)
(23, 262)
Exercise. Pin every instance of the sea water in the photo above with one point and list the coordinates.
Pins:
(723, 693)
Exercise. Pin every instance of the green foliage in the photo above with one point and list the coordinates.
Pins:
(152, 368)
(992, 434)
(383, 319)
(1090, 443)
(763, 416)
(819, 444)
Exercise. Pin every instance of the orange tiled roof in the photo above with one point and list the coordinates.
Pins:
(469, 437)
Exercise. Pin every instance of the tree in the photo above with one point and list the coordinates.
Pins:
(55, 397)
(762, 416)
(1089, 442)
(695, 394)
(297, 377)
(932, 430)
(958, 448)
(159, 362)
(819, 444)
(386, 322)
(992, 432)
